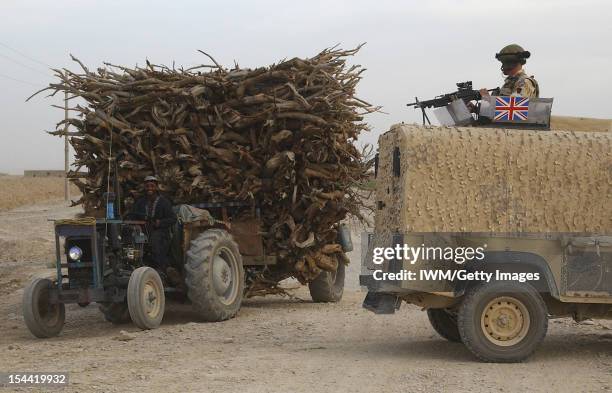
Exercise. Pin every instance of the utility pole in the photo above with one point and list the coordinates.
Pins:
(66, 148)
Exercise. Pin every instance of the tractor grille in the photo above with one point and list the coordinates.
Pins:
(80, 275)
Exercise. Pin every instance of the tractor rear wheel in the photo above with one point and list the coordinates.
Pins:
(42, 318)
(214, 275)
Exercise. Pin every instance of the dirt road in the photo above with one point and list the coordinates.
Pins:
(274, 345)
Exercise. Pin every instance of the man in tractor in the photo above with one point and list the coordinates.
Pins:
(156, 210)
(513, 57)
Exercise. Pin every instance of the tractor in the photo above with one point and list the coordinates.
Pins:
(217, 248)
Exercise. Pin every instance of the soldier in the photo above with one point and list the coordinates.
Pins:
(517, 83)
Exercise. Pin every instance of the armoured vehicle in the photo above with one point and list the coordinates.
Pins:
(531, 207)
(106, 261)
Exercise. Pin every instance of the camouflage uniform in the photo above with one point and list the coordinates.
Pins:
(520, 85)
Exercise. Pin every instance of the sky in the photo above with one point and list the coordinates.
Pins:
(413, 48)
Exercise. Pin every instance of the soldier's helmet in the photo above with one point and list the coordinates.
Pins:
(513, 53)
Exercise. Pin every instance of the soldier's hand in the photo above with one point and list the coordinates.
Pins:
(484, 92)
(156, 223)
(471, 106)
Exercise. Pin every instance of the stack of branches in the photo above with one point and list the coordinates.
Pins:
(280, 137)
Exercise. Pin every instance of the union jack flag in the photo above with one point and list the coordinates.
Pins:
(511, 108)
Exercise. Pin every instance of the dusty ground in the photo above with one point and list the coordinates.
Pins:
(275, 344)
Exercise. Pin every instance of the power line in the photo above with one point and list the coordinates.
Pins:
(18, 80)
(24, 55)
(23, 65)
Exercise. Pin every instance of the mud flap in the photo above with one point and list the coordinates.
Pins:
(381, 303)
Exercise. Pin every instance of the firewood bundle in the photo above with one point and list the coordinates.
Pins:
(280, 137)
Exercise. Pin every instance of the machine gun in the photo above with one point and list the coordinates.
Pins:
(464, 92)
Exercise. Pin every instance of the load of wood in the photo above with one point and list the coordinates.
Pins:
(281, 138)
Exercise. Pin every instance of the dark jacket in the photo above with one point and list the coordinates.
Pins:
(162, 206)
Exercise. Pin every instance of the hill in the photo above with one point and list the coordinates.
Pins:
(580, 124)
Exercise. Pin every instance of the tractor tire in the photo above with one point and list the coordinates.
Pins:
(115, 313)
(502, 322)
(444, 323)
(328, 287)
(146, 300)
(214, 276)
(44, 320)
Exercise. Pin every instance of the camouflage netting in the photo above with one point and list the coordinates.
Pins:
(494, 180)
(280, 137)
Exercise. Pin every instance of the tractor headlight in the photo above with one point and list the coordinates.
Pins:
(75, 253)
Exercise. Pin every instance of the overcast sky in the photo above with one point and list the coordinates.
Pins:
(413, 48)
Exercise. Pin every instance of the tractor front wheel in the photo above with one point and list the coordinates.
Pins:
(41, 317)
(145, 298)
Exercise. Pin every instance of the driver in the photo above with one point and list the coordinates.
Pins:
(156, 210)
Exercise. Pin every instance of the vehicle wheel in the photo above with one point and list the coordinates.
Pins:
(502, 321)
(43, 319)
(214, 275)
(116, 313)
(145, 298)
(328, 287)
(444, 323)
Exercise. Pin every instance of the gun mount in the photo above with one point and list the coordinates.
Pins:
(467, 107)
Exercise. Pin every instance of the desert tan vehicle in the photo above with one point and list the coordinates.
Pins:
(535, 202)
